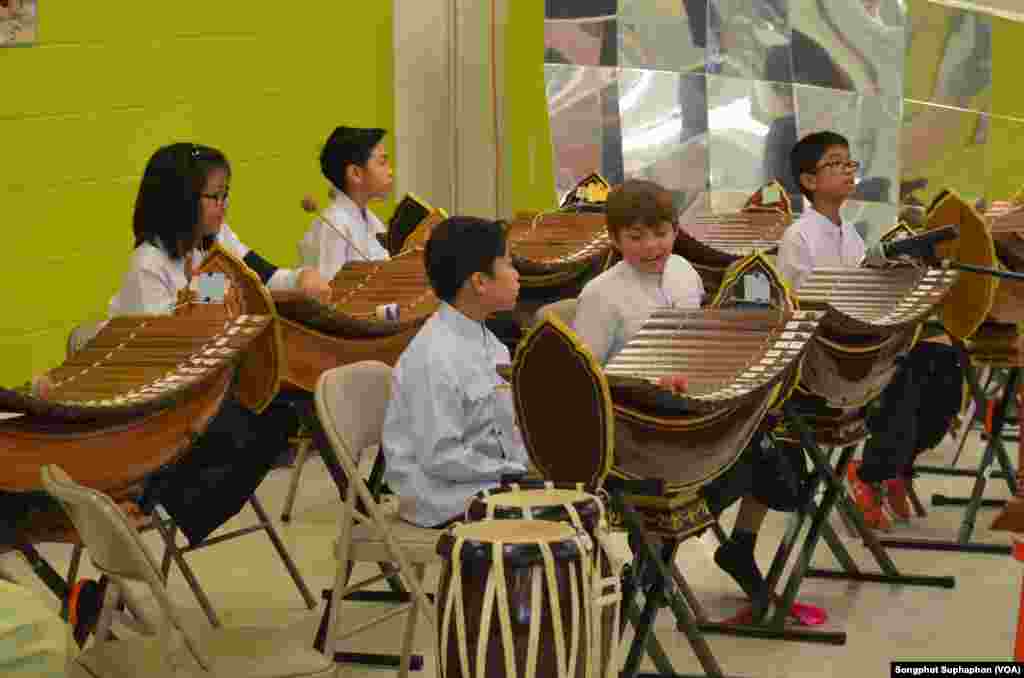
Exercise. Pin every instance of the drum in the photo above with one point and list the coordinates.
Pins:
(568, 503)
(512, 600)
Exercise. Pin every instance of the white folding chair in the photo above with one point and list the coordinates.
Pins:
(351, 402)
(117, 551)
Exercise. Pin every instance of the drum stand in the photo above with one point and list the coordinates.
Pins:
(774, 626)
(664, 587)
(994, 450)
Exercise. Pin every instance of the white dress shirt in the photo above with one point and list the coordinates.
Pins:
(815, 241)
(450, 429)
(324, 249)
(151, 284)
(614, 306)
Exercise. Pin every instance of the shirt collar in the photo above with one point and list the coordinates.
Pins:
(459, 323)
(821, 217)
(343, 201)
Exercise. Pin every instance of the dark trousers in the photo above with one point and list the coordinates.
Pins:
(914, 411)
(216, 477)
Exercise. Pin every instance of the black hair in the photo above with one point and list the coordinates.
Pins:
(167, 208)
(459, 247)
(347, 146)
(809, 151)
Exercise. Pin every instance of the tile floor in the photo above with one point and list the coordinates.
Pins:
(976, 620)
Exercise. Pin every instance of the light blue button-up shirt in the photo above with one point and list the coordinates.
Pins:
(450, 429)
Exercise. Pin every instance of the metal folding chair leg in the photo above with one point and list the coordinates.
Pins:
(286, 557)
(300, 462)
(167, 530)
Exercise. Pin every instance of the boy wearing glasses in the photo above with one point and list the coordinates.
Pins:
(902, 421)
(357, 166)
(825, 174)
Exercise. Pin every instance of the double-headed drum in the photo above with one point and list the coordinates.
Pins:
(513, 600)
(569, 504)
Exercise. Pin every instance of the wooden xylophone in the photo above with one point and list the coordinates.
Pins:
(740, 364)
(359, 323)
(714, 242)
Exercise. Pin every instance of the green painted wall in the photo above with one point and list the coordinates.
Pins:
(529, 157)
(108, 83)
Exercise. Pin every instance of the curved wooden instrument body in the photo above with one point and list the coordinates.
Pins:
(740, 364)
(410, 224)
(137, 394)
(985, 311)
(319, 337)
(557, 253)
(872, 316)
(714, 242)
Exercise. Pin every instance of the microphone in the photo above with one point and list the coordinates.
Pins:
(916, 247)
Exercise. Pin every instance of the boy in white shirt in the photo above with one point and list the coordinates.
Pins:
(356, 164)
(613, 307)
(826, 176)
(916, 408)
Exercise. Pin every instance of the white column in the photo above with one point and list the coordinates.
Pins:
(446, 141)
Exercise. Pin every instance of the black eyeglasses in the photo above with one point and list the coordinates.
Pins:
(840, 165)
(220, 198)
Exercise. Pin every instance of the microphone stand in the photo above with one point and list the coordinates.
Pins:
(983, 270)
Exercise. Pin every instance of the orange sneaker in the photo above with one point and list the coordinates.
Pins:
(867, 500)
(896, 498)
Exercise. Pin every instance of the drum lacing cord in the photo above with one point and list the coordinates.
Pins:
(498, 589)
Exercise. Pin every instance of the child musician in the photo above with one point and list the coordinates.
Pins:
(356, 164)
(450, 429)
(180, 205)
(159, 268)
(613, 307)
(902, 422)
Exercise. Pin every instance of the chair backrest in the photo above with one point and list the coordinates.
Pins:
(114, 545)
(563, 309)
(351, 402)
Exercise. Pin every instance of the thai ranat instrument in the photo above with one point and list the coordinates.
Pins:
(410, 224)
(375, 309)
(740, 362)
(983, 310)
(872, 316)
(513, 601)
(556, 253)
(714, 242)
(584, 512)
(138, 393)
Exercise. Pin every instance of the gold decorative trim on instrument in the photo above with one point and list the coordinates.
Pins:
(259, 378)
(755, 261)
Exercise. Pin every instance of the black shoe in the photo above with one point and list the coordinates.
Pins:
(740, 564)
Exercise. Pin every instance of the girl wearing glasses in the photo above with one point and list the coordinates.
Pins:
(179, 213)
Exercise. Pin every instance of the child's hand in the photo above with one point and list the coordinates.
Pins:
(312, 284)
(41, 387)
(673, 382)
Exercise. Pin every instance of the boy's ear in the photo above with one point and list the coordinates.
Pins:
(353, 172)
(808, 181)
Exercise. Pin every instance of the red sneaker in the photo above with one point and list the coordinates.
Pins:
(896, 497)
(867, 500)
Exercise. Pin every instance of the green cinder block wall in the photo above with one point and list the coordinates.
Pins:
(109, 82)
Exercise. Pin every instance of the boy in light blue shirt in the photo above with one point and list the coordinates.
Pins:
(450, 428)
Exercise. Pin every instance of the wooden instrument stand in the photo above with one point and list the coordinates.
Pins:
(774, 625)
(994, 450)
